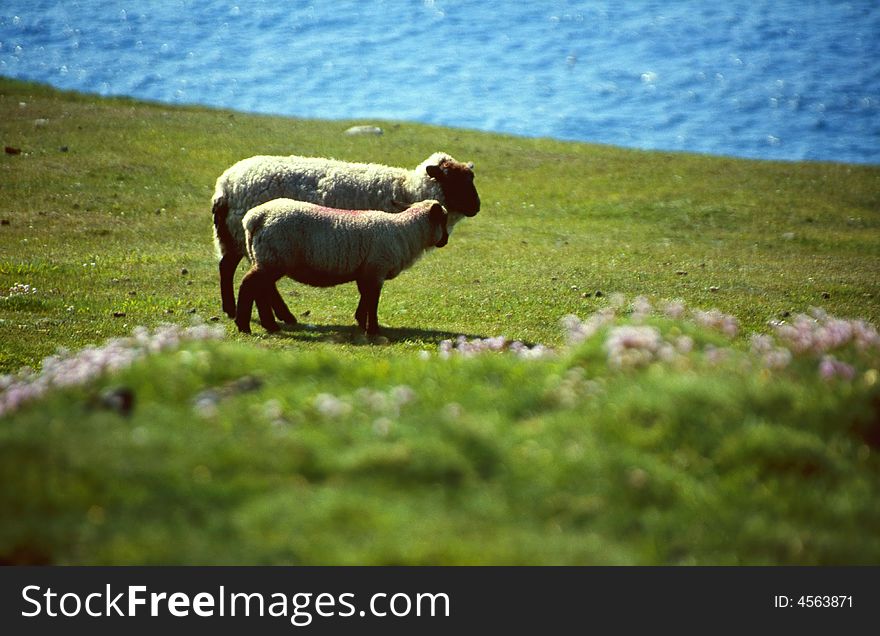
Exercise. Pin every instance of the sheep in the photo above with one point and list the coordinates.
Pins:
(338, 184)
(324, 247)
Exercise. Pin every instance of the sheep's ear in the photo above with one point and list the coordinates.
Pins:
(435, 172)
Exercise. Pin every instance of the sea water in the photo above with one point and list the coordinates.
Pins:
(751, 78)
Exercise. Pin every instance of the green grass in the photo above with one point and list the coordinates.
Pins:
(667, 464)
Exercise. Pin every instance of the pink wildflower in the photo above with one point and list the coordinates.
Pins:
(632, 346)
(830, 368)
(674, 309)
(65, 369)
(715, 319)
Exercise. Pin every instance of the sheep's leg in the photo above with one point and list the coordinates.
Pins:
(360, 314)
(282, 311)
(369, 305)
(265, 294)
(246, 296)
(373, 318)
(228, 265)
(264, 309)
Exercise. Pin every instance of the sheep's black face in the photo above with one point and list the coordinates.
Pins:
(459, 191)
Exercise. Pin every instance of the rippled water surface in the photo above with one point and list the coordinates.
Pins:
(751, 78)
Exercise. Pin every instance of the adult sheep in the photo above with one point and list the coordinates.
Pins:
(324, 247)
(336, 184)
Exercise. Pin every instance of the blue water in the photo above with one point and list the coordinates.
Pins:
(750, 78)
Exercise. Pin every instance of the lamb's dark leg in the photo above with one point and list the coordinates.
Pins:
(246, 296)
(282, 311)
(371, 300)
(228, 265)
(265, 297)
(360, 314)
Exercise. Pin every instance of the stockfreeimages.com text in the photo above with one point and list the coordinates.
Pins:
(300, 608)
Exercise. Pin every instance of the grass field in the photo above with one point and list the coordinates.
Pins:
(313, 447)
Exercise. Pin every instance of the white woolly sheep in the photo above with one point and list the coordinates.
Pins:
(324, 247)
(337, 184)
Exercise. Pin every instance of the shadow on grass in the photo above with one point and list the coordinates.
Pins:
(349, 334)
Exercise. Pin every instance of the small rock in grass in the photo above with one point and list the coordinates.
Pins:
(39, 123)
(244, 384)
(364, 130)
(119, 314)
(586, 295)
(637, 478)
(63, 149)
(714, 288)
(785, 314)
(191, 310)
(119, 399)
(599, 293)
(826, 295)
(184, 271)
(306, 312)
(681, 272)
(214, 318)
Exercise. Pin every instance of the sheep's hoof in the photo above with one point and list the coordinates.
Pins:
(272, 327)
(244, 328)
(359, 339)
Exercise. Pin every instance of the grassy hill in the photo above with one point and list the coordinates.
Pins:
(691, 446)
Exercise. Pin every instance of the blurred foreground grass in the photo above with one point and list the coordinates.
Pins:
(232, 454)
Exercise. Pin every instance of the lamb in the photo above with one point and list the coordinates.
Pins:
(324, 247)
(337, 184)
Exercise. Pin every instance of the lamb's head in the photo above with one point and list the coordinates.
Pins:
(456, 179)
(438, 220)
